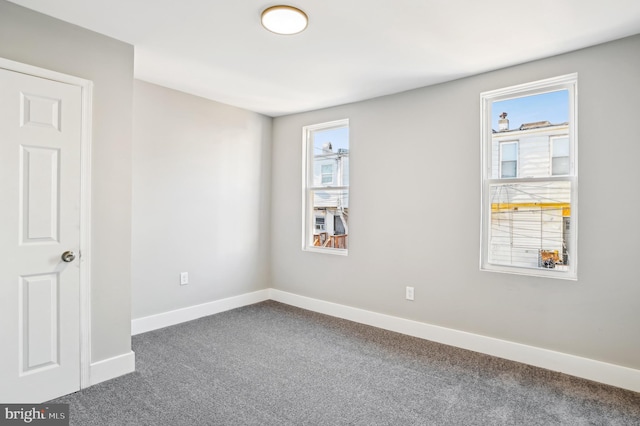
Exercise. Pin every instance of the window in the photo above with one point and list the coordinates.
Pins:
(327, 174)
(560, 156)
(326, 187)
(508, 159)
(529, 179)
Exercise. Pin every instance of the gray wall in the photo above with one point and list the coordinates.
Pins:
(201, 186)
(36, 39)
(415, 206)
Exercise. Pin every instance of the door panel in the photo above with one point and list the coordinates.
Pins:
(39, 193)
(40, 137)
(38, 323)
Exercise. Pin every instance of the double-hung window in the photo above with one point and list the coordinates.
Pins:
(325, 171)
(530, 179)
(327, 174)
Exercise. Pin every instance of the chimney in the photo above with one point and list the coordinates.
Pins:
(503, 123)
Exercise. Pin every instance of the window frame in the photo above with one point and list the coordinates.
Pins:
(308, 189)
(567, 82)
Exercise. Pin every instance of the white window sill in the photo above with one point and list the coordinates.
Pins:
(327, 250)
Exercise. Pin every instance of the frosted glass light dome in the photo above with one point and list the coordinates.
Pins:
(285, 20)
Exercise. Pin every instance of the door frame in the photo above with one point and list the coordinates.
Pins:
(86, 87)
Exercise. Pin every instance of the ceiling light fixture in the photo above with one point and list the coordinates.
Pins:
(285, 20)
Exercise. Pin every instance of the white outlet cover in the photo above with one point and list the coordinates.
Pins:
(409, 293)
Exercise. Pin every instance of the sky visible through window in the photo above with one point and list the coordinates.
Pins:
(551, 106)
(339, 139)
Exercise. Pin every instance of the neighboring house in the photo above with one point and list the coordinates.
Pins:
(530, 223)
(331, 207)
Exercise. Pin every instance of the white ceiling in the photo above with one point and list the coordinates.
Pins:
(352, 49)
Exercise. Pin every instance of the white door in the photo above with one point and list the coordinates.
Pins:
(40, 137)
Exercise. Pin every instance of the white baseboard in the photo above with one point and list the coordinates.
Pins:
(111, 368)
(166, 319)
(611, 374)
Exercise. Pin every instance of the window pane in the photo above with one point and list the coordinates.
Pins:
(540, 124)
(509, 151)
(560, 166)
(530, 224)
(560, 156)
(331, 209)
(330, 157)
(509, 169)
(560, 147)
(527, 112)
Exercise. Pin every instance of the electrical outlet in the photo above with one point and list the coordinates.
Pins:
(184, 278)
(409, 293)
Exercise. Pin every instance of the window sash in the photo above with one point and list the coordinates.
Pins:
(526, 217)
(330, 195)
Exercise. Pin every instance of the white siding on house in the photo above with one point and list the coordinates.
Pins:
(331, 198)
(515, 238)
(526, 218)
(339, 166)
(534, 150)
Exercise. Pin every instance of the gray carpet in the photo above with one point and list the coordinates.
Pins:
(273, 364)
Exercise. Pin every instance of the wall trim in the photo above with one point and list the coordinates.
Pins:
(585, 368)
(111, 368)
(598, 371)
(166, 319)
